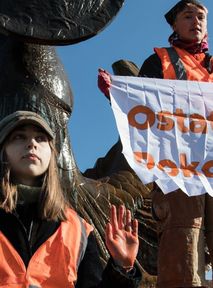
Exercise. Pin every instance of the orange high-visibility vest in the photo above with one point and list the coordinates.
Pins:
(179, 64)
(54, 264)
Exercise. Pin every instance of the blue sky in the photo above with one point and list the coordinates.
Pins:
(138, 27)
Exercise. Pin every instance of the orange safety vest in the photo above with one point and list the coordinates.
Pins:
(54, 264)
(179, 64)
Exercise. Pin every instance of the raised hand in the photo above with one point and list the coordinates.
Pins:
(104, 81)
(122, 237)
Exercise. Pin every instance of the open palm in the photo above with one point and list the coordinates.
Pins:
(122, 237)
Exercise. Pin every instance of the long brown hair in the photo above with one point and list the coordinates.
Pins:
(53, 203)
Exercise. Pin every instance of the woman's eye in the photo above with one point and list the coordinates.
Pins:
(202, 18)
(41, 138)
(18, 137)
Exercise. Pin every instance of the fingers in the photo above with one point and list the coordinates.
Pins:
(113, 218)
(123, 220)
(135, 227)
(101, 70)
(117, 219)
(128, 226)
(104, 81)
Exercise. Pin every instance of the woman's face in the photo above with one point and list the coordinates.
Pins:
(28, 153)
(191, 24)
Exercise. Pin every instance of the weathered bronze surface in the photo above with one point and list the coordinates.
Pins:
(56, 21)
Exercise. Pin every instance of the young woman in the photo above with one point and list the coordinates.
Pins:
(43, 242)
(184, 223)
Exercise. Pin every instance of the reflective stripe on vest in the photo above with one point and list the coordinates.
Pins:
(54, 264)
(179, 64)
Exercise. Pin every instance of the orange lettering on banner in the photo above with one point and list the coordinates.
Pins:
(188, 169)
(198, 124)
(206, 169)
(150, 117)
(180, 120)
(166, 123)
(139, 156)
(168, 163)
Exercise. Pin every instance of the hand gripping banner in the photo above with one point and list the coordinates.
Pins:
(166, 129)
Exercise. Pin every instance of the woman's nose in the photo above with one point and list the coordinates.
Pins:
(31, 143)
(196, 20)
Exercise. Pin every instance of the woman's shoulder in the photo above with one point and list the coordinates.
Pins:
(74, 217)
(151, 67)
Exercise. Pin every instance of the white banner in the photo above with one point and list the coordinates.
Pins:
(166, 128)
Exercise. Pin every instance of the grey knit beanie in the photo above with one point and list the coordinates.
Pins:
(10, 122)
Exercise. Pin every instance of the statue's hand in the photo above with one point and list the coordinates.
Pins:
(122, 237)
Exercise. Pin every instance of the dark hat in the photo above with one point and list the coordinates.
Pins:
(172, 13)
(10, 122)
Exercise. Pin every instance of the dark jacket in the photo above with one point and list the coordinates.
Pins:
(26, 233)
(152, 67)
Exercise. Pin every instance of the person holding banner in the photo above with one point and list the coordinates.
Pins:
(185, 224)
